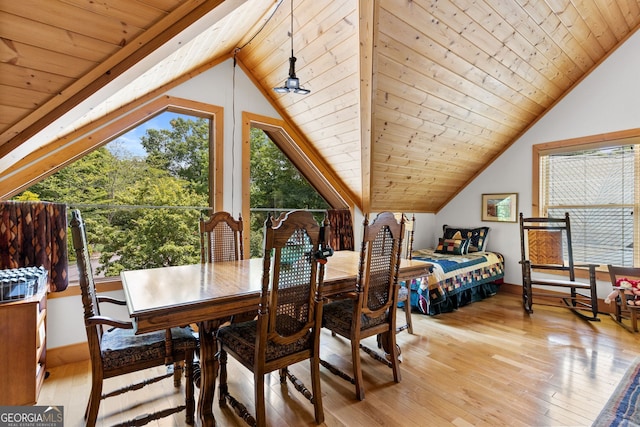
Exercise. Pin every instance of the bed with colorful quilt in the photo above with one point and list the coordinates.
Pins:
(463, 271)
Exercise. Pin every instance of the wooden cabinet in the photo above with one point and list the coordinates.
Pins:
(23, 348)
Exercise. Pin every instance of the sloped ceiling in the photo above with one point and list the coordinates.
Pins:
(409, 101)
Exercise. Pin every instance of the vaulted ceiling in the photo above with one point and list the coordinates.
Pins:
(410, 99)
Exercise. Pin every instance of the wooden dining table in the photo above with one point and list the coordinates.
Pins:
(208, 294)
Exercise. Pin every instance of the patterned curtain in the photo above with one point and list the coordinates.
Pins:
(341, 237)
(35, 234)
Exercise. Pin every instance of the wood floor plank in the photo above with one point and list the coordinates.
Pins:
(486, 364)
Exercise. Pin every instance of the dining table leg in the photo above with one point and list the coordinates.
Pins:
(209, 370)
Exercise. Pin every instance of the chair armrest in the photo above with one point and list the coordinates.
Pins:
(103, 320)
(525, 264)
(589, 266)
(111, 300)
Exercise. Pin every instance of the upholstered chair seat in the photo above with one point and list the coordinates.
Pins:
(338, 317)
(240, 338)
(122, 347)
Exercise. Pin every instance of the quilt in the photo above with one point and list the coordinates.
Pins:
(456, 280)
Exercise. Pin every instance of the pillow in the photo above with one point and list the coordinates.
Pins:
(477, 236)
(452, 246)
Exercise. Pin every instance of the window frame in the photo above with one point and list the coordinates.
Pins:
(613, 139)
(299, 151)
(96, 135)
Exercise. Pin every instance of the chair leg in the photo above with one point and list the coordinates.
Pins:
(222, 385)
(357, 369)
(395, 363)
(634, 320)
(190, 401)
(177, 373)
(91, 413)
(225, 397)
(527, 297)
(593, 293)
(87, 410)
(317, 393)
(259, 399)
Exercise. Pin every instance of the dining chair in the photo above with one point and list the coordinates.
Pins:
(626, 283)
(220, 241)
(116, 350)
(404, 290)
(287, 328)
(371, 309)
(221, 238)
(545, 246)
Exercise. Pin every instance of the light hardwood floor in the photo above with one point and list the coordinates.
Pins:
(487, 364)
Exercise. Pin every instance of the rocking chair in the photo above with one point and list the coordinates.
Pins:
(546, 247)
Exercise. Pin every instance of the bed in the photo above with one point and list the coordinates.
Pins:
(463, 271)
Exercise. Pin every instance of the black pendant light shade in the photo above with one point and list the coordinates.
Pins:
(292, 84)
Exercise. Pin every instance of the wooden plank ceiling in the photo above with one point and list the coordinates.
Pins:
(409, 101)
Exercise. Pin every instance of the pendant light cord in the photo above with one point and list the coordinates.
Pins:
(233, 97)
(291, 27)
(237, 49)
(233, 132)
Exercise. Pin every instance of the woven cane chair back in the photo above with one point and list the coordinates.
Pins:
(293, 239)
(221, 238)
(379, 263)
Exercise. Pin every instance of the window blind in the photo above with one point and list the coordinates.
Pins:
(600, 189)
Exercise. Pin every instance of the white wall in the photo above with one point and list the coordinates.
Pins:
(426, 232)
(65, 318)
(606, 101)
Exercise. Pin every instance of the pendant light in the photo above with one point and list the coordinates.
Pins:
(292, 84)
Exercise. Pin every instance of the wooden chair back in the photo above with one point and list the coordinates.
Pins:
(545, 246)
(221, 238)
(379, 264)
(290, 281)
(87, 284)
(409, 229)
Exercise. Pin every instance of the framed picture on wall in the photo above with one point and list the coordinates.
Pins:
(501, 207)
